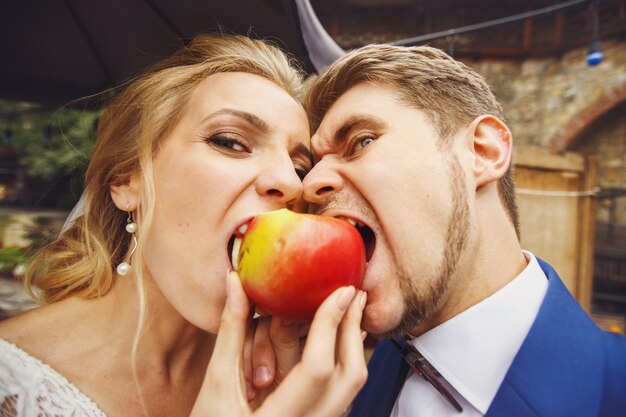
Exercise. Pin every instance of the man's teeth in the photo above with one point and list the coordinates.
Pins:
(235, 253)
(243, 228)
(349, 220)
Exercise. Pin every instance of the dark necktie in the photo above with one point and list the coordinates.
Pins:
(421, 366)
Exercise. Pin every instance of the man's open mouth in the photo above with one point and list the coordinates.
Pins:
(367, 234)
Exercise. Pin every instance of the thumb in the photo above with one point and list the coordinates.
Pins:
(224, 377)
(233, 327)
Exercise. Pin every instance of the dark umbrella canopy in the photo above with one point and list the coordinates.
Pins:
(56, 51)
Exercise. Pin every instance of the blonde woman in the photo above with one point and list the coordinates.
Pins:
(137, 288)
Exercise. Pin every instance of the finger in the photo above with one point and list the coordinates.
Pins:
(251, 392)
(351, 372)
(350, 337)
(232, 331)
(322, 334)
(303, 329)
(224, 377)
(263, 357)
(304, 384)
(285, 337)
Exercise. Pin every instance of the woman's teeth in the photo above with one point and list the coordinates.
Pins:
(235, 252)
(238, 235)
(241, 230)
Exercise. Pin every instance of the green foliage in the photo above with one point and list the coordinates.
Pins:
(10, 258)
(48, 143)
(13, 259)
(40, 233)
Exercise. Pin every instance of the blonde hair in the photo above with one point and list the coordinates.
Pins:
(450, 93)
(81, 262)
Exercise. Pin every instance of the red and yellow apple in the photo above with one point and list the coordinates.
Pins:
(289, 263)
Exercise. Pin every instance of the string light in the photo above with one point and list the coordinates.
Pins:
(595, 55)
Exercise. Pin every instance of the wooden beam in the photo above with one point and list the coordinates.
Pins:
(558, 30)
(528, 34)
(586, 239)
(546, 159)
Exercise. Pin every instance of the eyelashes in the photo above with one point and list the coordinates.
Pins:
(364, 142)
(228, 143)
(359, 143)
(231, 145)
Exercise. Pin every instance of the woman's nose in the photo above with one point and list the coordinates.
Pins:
(321, 183)
(280, 182)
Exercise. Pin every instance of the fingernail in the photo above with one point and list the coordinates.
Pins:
(261, 375)
(345, 297)
(363, 335)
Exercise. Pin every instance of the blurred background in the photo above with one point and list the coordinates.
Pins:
(557, 67)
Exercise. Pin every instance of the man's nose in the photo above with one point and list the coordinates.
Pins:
(321, 183)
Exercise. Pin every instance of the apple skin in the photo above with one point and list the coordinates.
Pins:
(290, 262)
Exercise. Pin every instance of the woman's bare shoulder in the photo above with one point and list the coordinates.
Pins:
(22, 328)
(38, 331)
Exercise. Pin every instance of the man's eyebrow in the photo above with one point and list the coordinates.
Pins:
(254, 120)
(341, 134)
(301, 148)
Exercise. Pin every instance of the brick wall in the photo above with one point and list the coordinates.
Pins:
(563, 104)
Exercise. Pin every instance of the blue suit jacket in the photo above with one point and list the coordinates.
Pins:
(566, 367)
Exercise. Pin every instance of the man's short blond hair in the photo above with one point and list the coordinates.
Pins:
(450, 93)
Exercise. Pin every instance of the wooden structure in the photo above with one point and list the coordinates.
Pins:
(352, 23)
(557, 214)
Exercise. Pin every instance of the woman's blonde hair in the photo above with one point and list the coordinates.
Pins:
(82, 261)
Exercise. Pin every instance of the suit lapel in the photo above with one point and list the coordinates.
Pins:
(387, 373)
(559, 368)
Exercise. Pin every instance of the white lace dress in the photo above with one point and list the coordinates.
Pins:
(29, 387)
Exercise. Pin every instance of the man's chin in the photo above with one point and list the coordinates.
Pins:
(383, 324)
(393, 328)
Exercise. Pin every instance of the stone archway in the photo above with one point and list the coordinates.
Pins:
(567, 135)
(599, 128)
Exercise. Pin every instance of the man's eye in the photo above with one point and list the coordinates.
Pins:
(227, 142)
(363, 142)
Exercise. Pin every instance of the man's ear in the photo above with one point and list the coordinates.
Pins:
(126, 196)
(492, 146)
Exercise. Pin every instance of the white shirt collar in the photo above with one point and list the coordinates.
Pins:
(474, 350)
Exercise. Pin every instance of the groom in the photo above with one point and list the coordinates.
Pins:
(412, 145)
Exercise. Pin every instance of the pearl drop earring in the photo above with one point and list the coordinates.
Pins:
(131, 227)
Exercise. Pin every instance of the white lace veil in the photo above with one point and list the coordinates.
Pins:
(77, 211)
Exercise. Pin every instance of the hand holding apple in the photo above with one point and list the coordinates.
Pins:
(290, 262)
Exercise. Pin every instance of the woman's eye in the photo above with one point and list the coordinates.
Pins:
(227, 142)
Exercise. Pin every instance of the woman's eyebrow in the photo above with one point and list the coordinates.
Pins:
(254, 120)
